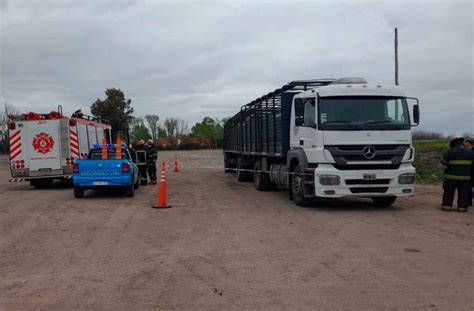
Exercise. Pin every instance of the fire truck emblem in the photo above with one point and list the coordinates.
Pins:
(43, 143)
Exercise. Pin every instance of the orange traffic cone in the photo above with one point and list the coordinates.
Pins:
(162, 189)
(176, 163)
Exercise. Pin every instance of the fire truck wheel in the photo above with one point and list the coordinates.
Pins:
(78, 192)
(130, 191)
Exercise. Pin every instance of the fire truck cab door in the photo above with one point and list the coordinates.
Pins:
(43, 143)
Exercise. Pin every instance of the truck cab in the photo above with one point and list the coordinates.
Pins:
(356, 139)
(107, 166)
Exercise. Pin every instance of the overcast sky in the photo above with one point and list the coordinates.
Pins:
(190, 59)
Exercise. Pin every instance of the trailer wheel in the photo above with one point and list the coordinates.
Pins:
(261, 179)
(242, 174)
(130, 191)
(78, 192)
(297, 188)
(384, 201)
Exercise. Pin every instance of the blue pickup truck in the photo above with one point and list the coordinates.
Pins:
(98, 173)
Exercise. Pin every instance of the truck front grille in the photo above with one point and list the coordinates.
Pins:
(367, 182)
(368, 189)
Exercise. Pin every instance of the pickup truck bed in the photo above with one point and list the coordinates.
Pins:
(96, 173)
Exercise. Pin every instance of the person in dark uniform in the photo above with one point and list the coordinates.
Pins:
(457, 175)
(469, 145)
(152, 156)
(142, 156)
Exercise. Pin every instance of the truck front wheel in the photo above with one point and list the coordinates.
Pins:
(384, 201)
(297, 188)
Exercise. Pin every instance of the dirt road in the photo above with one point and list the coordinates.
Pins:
(224, 245)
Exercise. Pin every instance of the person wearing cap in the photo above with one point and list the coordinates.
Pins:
(152, 156)
(457, 175)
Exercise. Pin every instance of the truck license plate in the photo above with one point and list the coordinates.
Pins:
(100, 183)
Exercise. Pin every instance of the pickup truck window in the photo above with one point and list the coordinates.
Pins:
(96, 154)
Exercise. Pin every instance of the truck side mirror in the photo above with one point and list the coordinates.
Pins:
(416, 114)
(416, 110)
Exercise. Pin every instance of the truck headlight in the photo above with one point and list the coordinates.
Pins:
(329, 180)
(407, 178)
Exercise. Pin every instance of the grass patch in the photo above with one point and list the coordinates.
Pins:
(427, 160)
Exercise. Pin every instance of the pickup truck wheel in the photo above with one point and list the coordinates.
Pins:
(384, 201)
(78, 192)
(297, 188)
(261, 179)
(130, 191)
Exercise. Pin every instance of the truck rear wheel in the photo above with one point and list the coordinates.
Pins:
(261, 179)
(78, 192)
(297, 188)
(384, 201)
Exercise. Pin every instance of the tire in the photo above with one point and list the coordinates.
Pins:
(228, 166)
(130, 191)
(297, 188)
(243, 176)
(261, 180)
(384, 201)
(78, 192)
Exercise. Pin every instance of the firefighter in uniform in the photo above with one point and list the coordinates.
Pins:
(152, 156)
(457, 175)
(142, 157)
(469, 145)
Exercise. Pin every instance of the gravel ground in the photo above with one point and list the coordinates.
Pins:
(224, 245)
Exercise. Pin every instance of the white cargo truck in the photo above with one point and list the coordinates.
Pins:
(326, 138)
(43, 147)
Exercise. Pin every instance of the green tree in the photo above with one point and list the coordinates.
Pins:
(209, 128)
(139, 130)
(115, 109)
(162, 132)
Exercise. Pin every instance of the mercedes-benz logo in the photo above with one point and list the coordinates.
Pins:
(368, 152)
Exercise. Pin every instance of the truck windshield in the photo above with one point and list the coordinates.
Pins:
(96, 154)
(363, 113)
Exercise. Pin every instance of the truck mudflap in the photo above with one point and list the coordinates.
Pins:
(332, 183)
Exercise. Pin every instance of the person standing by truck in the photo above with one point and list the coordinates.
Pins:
(152, 156)
(469, 145)
(142, 157)
(457, 175)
